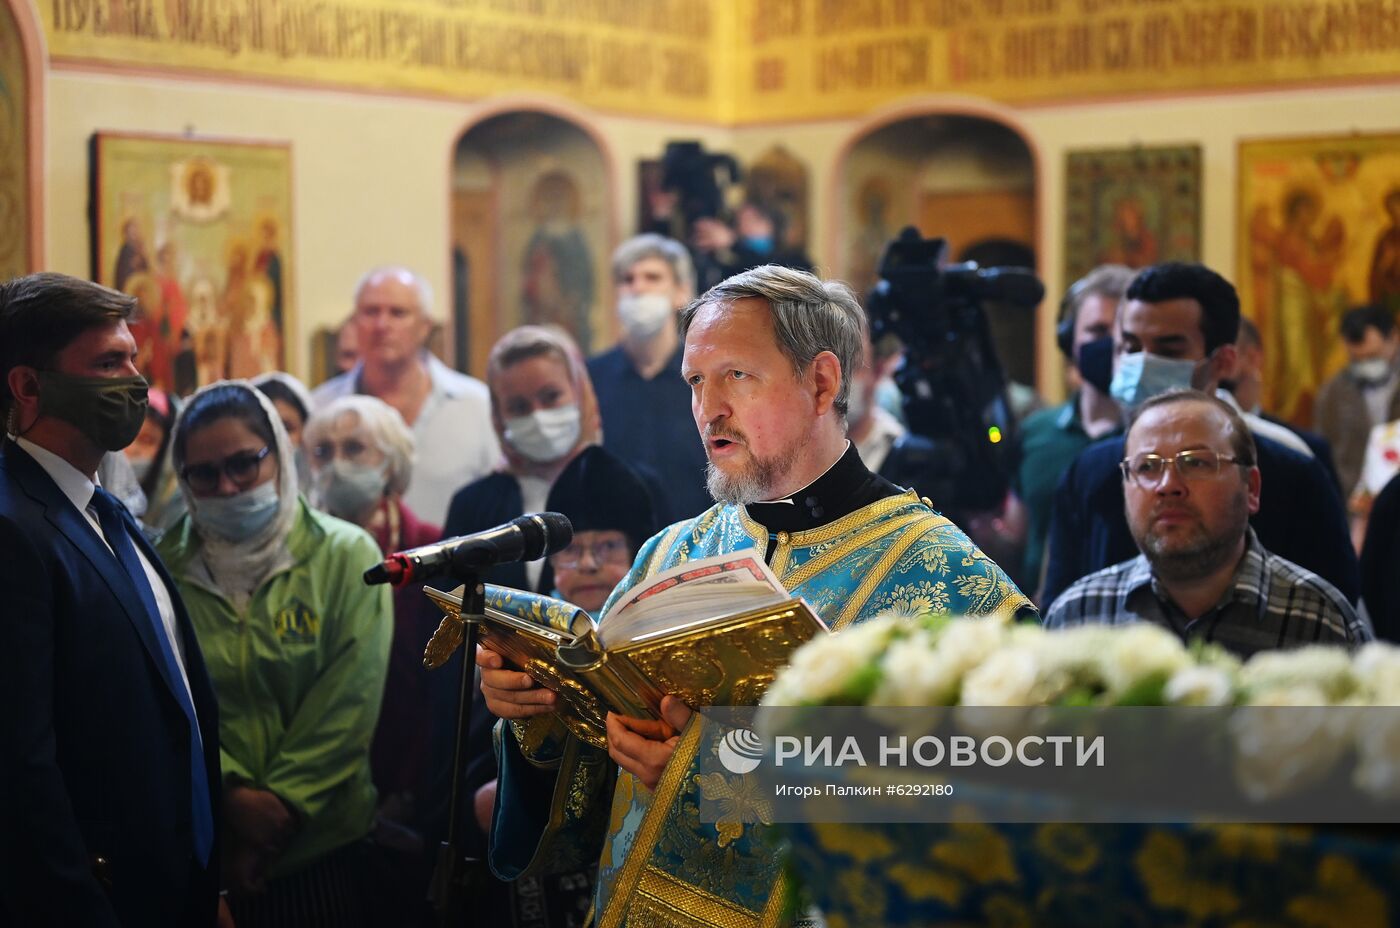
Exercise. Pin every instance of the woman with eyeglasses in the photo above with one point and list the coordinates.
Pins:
(611, 510)
(612, 514)
(297, 648)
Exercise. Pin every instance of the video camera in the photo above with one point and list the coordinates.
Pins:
(699, 178)
(954, 388)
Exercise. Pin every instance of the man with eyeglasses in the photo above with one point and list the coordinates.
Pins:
(1190, 484)
(109, 742)
(1176, 328)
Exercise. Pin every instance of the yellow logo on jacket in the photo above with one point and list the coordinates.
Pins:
(297, 624)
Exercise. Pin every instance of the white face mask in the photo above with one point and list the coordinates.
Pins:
(644, 314)
(1140, 376)
(1370, 371)
(346, 490)
(239, 517)
(546, 434)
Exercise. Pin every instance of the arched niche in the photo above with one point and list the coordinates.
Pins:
(532, 229)
(21, 88)
(964, 177)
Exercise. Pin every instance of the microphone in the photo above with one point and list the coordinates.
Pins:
(527, 538)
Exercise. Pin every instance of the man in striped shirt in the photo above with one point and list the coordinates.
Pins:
(1190, 483)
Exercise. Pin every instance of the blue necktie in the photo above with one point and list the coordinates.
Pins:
(114, 527)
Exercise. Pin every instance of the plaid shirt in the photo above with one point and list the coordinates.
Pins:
(1271, 603)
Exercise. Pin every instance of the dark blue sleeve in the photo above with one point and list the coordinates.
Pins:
(1064, 543)
(1380, 581)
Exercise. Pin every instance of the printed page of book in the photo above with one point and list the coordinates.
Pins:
(692, 593)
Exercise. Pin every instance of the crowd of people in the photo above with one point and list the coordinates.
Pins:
(222, 724)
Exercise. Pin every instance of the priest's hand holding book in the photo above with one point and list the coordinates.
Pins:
(510, 693)
(643, 746)
(640, 746)
(712, 631)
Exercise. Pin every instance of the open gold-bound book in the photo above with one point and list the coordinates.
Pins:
(713, 632)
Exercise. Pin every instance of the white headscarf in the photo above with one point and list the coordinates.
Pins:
(291, 383)
(237, 569)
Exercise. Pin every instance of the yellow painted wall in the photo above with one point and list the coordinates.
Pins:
(1216, 122)
(372, 173)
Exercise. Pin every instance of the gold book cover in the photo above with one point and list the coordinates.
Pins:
(725, 659)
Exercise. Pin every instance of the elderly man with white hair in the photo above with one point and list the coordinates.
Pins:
(449, 412)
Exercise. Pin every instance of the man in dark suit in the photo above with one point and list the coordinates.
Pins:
(109, 748)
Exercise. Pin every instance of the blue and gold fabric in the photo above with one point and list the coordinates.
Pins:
(1072, 875)
(659, 865)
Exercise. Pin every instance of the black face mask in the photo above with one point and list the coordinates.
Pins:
(1095, 363)
(108, 410)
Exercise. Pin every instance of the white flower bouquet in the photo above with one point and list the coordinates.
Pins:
(1283, 728)
(897, 661)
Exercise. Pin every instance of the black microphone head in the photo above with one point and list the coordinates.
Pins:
(377, 574)
(544, 533)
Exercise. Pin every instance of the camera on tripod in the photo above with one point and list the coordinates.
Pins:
(959, 450)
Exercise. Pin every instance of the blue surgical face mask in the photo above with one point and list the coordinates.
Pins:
(239, 517)
(1141, 376)
(759, 244)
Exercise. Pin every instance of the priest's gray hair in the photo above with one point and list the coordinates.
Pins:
(383, 427)
(651, 245)
(810, 315)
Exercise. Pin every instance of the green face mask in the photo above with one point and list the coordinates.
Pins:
(108, 410)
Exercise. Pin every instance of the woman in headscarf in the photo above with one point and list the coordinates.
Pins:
(293, 403)
(297, 648)
(544, 412)
(613, 515)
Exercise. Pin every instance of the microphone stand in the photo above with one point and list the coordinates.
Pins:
(456, 877)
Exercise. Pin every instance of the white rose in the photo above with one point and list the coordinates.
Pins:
(1286, 741)
(914, 673)
(1006, 678)
(1139, 651)
(966, 643)
(827, 664)
(1377, 667)
(1071, 657)
(1200, 686)
(1378, 753)
(1324, 669)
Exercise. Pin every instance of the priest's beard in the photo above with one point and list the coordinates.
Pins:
(753, 483)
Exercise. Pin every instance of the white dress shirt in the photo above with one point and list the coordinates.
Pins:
(455, 442)
(80, 489)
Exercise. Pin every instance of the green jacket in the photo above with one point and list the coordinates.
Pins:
(299, 677)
